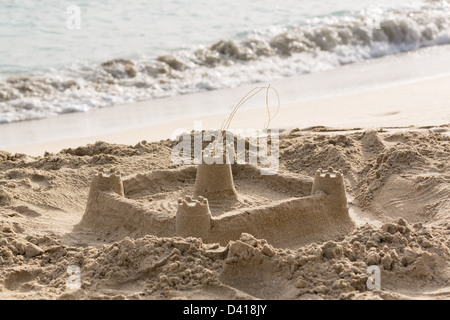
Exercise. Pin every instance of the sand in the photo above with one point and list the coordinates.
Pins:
(93, 207)
(126, 246)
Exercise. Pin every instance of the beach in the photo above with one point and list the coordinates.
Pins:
(363, 95)
(394, 158)
(397, 190)
(351, 200)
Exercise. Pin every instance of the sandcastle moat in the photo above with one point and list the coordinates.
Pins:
(217, 202)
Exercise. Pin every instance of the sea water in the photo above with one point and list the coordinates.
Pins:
(60, 56)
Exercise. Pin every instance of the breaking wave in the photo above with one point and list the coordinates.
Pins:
(320, 44)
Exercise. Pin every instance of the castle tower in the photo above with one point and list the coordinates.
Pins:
(331, 183)
(193, 218)
(214, 178)
(101, 181)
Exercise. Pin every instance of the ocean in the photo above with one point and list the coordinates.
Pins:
(59, 57)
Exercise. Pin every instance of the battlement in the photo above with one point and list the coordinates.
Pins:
(193, 217)
(329, 173)
(103, 182)
(191, 206)
(331, 183)
(107, 181)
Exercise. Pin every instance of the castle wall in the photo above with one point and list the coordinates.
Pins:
(291, 221)
(294, 221)
(125, 217)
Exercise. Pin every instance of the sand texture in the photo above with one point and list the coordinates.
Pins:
(122, 214)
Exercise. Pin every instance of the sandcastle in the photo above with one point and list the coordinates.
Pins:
(318, 208)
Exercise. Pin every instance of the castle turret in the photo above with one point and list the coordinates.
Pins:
(193, 218)
(101, 181)
(214, 178)
(331, 183)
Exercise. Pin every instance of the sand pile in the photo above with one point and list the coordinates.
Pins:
(398, 179)
(411, 258)
(400, 174)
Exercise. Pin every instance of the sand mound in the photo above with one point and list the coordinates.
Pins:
(389, 174)
(247, 268)
(409, 179)
(400, 174)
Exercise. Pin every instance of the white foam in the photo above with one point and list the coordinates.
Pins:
(319, 45)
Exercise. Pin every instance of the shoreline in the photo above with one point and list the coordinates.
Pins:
(360, 95)
(397, 106)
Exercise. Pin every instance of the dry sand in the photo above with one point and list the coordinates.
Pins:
(397, 180)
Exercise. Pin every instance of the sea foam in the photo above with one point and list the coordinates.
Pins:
(320, 44)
